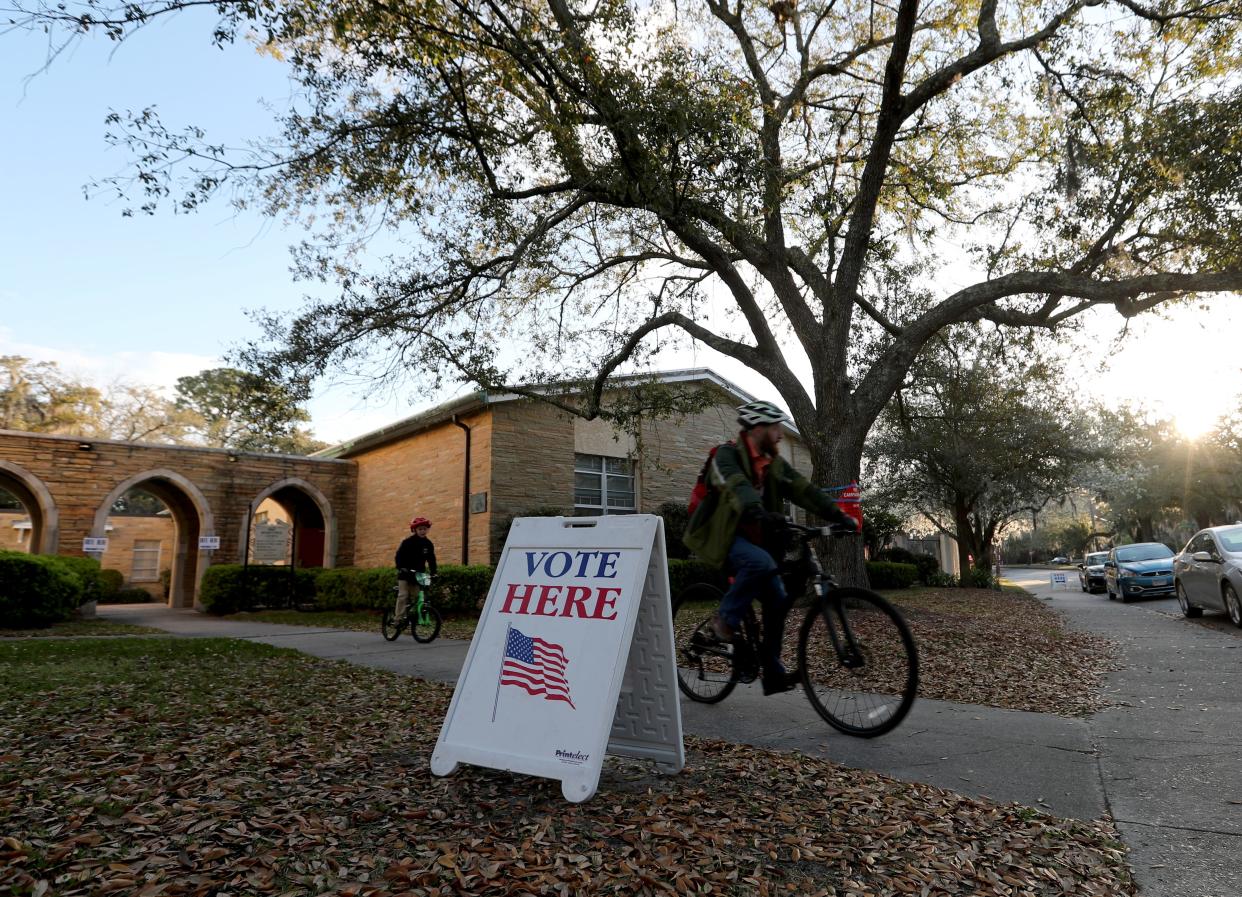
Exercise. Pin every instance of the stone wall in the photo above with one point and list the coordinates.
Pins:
(422, 475)
(532, 463)
(72, 483)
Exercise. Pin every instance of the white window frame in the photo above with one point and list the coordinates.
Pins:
(137, 575)
(604, 507)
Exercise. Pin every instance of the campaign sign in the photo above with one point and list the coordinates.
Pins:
(208, 543)
(572, 657)
(94, 544)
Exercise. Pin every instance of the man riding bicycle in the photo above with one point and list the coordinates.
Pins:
(739, 523)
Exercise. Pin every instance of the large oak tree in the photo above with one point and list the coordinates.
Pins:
(802, 185)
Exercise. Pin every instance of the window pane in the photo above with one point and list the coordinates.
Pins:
(146, 566)
(586, 481)
(588, 462)
(617, 465)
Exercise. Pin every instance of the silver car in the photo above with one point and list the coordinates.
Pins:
(1208, 572)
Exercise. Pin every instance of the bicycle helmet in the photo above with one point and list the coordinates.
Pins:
(754, 414)
(419, 521)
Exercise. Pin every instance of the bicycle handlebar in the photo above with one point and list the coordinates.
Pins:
(832, 530)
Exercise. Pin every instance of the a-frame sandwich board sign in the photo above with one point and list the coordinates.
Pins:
(573, 656)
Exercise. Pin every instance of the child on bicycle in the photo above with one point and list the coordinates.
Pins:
(416, 555)
(740, 522)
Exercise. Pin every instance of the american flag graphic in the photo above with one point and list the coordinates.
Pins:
(535, 665)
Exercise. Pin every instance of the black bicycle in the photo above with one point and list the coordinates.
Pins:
(856, 658)
(421, 617)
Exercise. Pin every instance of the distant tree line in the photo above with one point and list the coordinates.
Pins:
(217, 408)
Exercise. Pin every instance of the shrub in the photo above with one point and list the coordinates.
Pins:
(895, 555)
(675, 517)
(110, 582)
(131, 595)
(85, 570)
(927, 566)
(338, 588)
(458, 589)
(375, 586)
(979, 578)
(229, 588)
(36, 590)
(942, 580)
(684, 573)
(888, 575)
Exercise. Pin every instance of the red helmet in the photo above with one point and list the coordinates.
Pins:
(419, 521)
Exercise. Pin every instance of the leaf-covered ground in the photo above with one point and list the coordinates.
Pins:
(80, 627)
(210, 767)
(976, 646)
(1004, 649)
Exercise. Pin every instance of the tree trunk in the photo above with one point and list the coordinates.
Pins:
(961, 524)
(836, 461)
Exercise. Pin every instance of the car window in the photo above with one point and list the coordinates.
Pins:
(1144, 552)
(1198, 543)
(1096, 558)
(1230, 539)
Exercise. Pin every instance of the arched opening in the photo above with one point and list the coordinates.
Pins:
(142, 535)
(28, 517)
(191, 517)
(291, 522)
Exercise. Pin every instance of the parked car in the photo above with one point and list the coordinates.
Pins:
(1144, 569)
(1208, 572)
(1091, 572)
(1059, 560)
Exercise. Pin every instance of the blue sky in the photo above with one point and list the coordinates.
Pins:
(154, 298)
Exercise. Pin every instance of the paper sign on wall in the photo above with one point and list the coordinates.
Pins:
(572, 657)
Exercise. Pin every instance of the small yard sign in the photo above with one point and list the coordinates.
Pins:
(1059, 579)
(95, 544)
(208, 543)
(572, 657)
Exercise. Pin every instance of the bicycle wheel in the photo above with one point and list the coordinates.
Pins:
(859, 664)
(390, 625)
(705, 671)
(425, 626)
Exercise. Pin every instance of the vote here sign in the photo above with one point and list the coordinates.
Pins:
(540, 689)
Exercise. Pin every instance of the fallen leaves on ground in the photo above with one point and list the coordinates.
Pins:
(1004, 649)
(207, 766)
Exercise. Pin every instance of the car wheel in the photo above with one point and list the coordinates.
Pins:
(1188, 609)
(1233, 606)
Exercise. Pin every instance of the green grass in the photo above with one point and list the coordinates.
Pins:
(75, 628)
(355, 621)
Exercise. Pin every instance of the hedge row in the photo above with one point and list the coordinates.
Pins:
(228, 588)
(888, 575)
(38, 590)
(456, 589)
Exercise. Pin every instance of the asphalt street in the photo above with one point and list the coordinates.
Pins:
(1165, 758)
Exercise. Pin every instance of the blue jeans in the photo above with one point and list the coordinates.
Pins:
(755, 576)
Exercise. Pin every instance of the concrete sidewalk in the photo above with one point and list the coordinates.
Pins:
(1170, 746)
(1166, 759)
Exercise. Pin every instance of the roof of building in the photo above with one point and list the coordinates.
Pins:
(482, 398)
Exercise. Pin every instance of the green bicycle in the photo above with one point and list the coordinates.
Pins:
(420, 616)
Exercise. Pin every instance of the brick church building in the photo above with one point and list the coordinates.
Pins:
(470, 465)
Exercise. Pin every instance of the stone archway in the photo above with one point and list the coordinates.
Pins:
(192, 517)
(35, 497)
(315, 525)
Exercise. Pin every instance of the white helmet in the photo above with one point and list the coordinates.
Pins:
(754, 414)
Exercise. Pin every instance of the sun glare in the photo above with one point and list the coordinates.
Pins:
(1195, 421)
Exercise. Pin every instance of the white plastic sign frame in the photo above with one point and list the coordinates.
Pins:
(572, 658)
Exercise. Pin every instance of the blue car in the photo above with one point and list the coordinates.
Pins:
(1141, 570)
